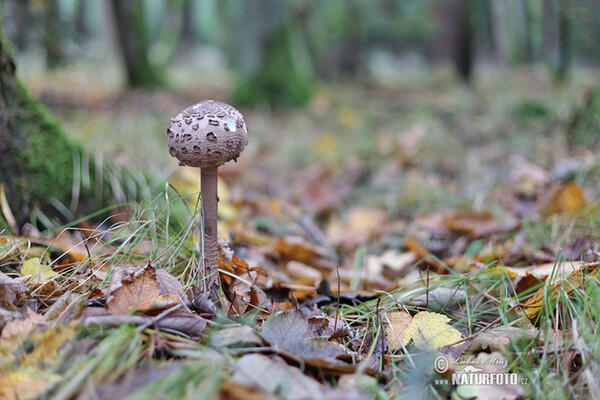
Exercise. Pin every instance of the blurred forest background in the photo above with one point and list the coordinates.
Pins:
(323, 81)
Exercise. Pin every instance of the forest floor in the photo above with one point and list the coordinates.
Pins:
(389, 240)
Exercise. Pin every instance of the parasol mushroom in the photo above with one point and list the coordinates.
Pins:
(207, 135)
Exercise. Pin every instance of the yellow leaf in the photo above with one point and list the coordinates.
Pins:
(563, 199)
(431, 330)
(399, 322)
(25, 384)
(534, 305)
(40, 272)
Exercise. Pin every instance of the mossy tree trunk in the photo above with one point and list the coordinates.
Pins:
(40, 167)
(37, 157)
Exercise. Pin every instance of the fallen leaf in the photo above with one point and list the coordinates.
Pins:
(535, 304)
(288, 331)
(298, 270)
(242, 336)
(501, 337)
(40, 273)
(396, 329)
(430, 330)
(23, 326)
(274, 376)
(138, 289)
(23, 384)
(10, 290)
(295, 248)
(562, 198)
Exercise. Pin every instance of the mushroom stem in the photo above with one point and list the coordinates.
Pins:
(208, 190)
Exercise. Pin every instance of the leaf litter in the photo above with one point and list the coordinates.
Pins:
(334, 285)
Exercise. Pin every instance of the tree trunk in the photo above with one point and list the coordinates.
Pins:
(500, 26)
(454, 39)
(53, 35)
(134, 45)
(37, 157)
(272, 56)
(23, 24)
(40, 165)
(187, 35)
(565, 47)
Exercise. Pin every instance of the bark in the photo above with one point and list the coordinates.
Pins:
(40, 165)
(37, 157)
(134, 44)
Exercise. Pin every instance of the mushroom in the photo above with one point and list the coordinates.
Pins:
(207, 135)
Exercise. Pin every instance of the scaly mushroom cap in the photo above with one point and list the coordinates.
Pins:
(207, 134)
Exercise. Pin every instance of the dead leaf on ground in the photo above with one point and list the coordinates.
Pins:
(562, 198)
(359, 226)
(288, 331)
(138, 289)
(535, 304)
(430, 330)
(501, 337)
(38, 272)
(295, 248)
(242, 335)
(396, 328)
(10, 290)
(477, 224)
(24, 326)
(274, 376)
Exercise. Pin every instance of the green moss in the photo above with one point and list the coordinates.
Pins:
(46, 158)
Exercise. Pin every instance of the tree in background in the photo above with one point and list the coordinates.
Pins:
(454, 37)
(53, 38)
(271, 54)
(134, 44)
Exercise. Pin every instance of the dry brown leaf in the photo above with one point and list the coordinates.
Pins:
(477, 224)
(27, 325)
(534, 305)
(295, 248)
(299, 271)
(242, 335)
(562, 198)
(138, 289)
(274, 376)
(289, 331)
(500, 338)
(10, 290)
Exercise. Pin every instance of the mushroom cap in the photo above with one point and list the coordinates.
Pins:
(207, 134)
